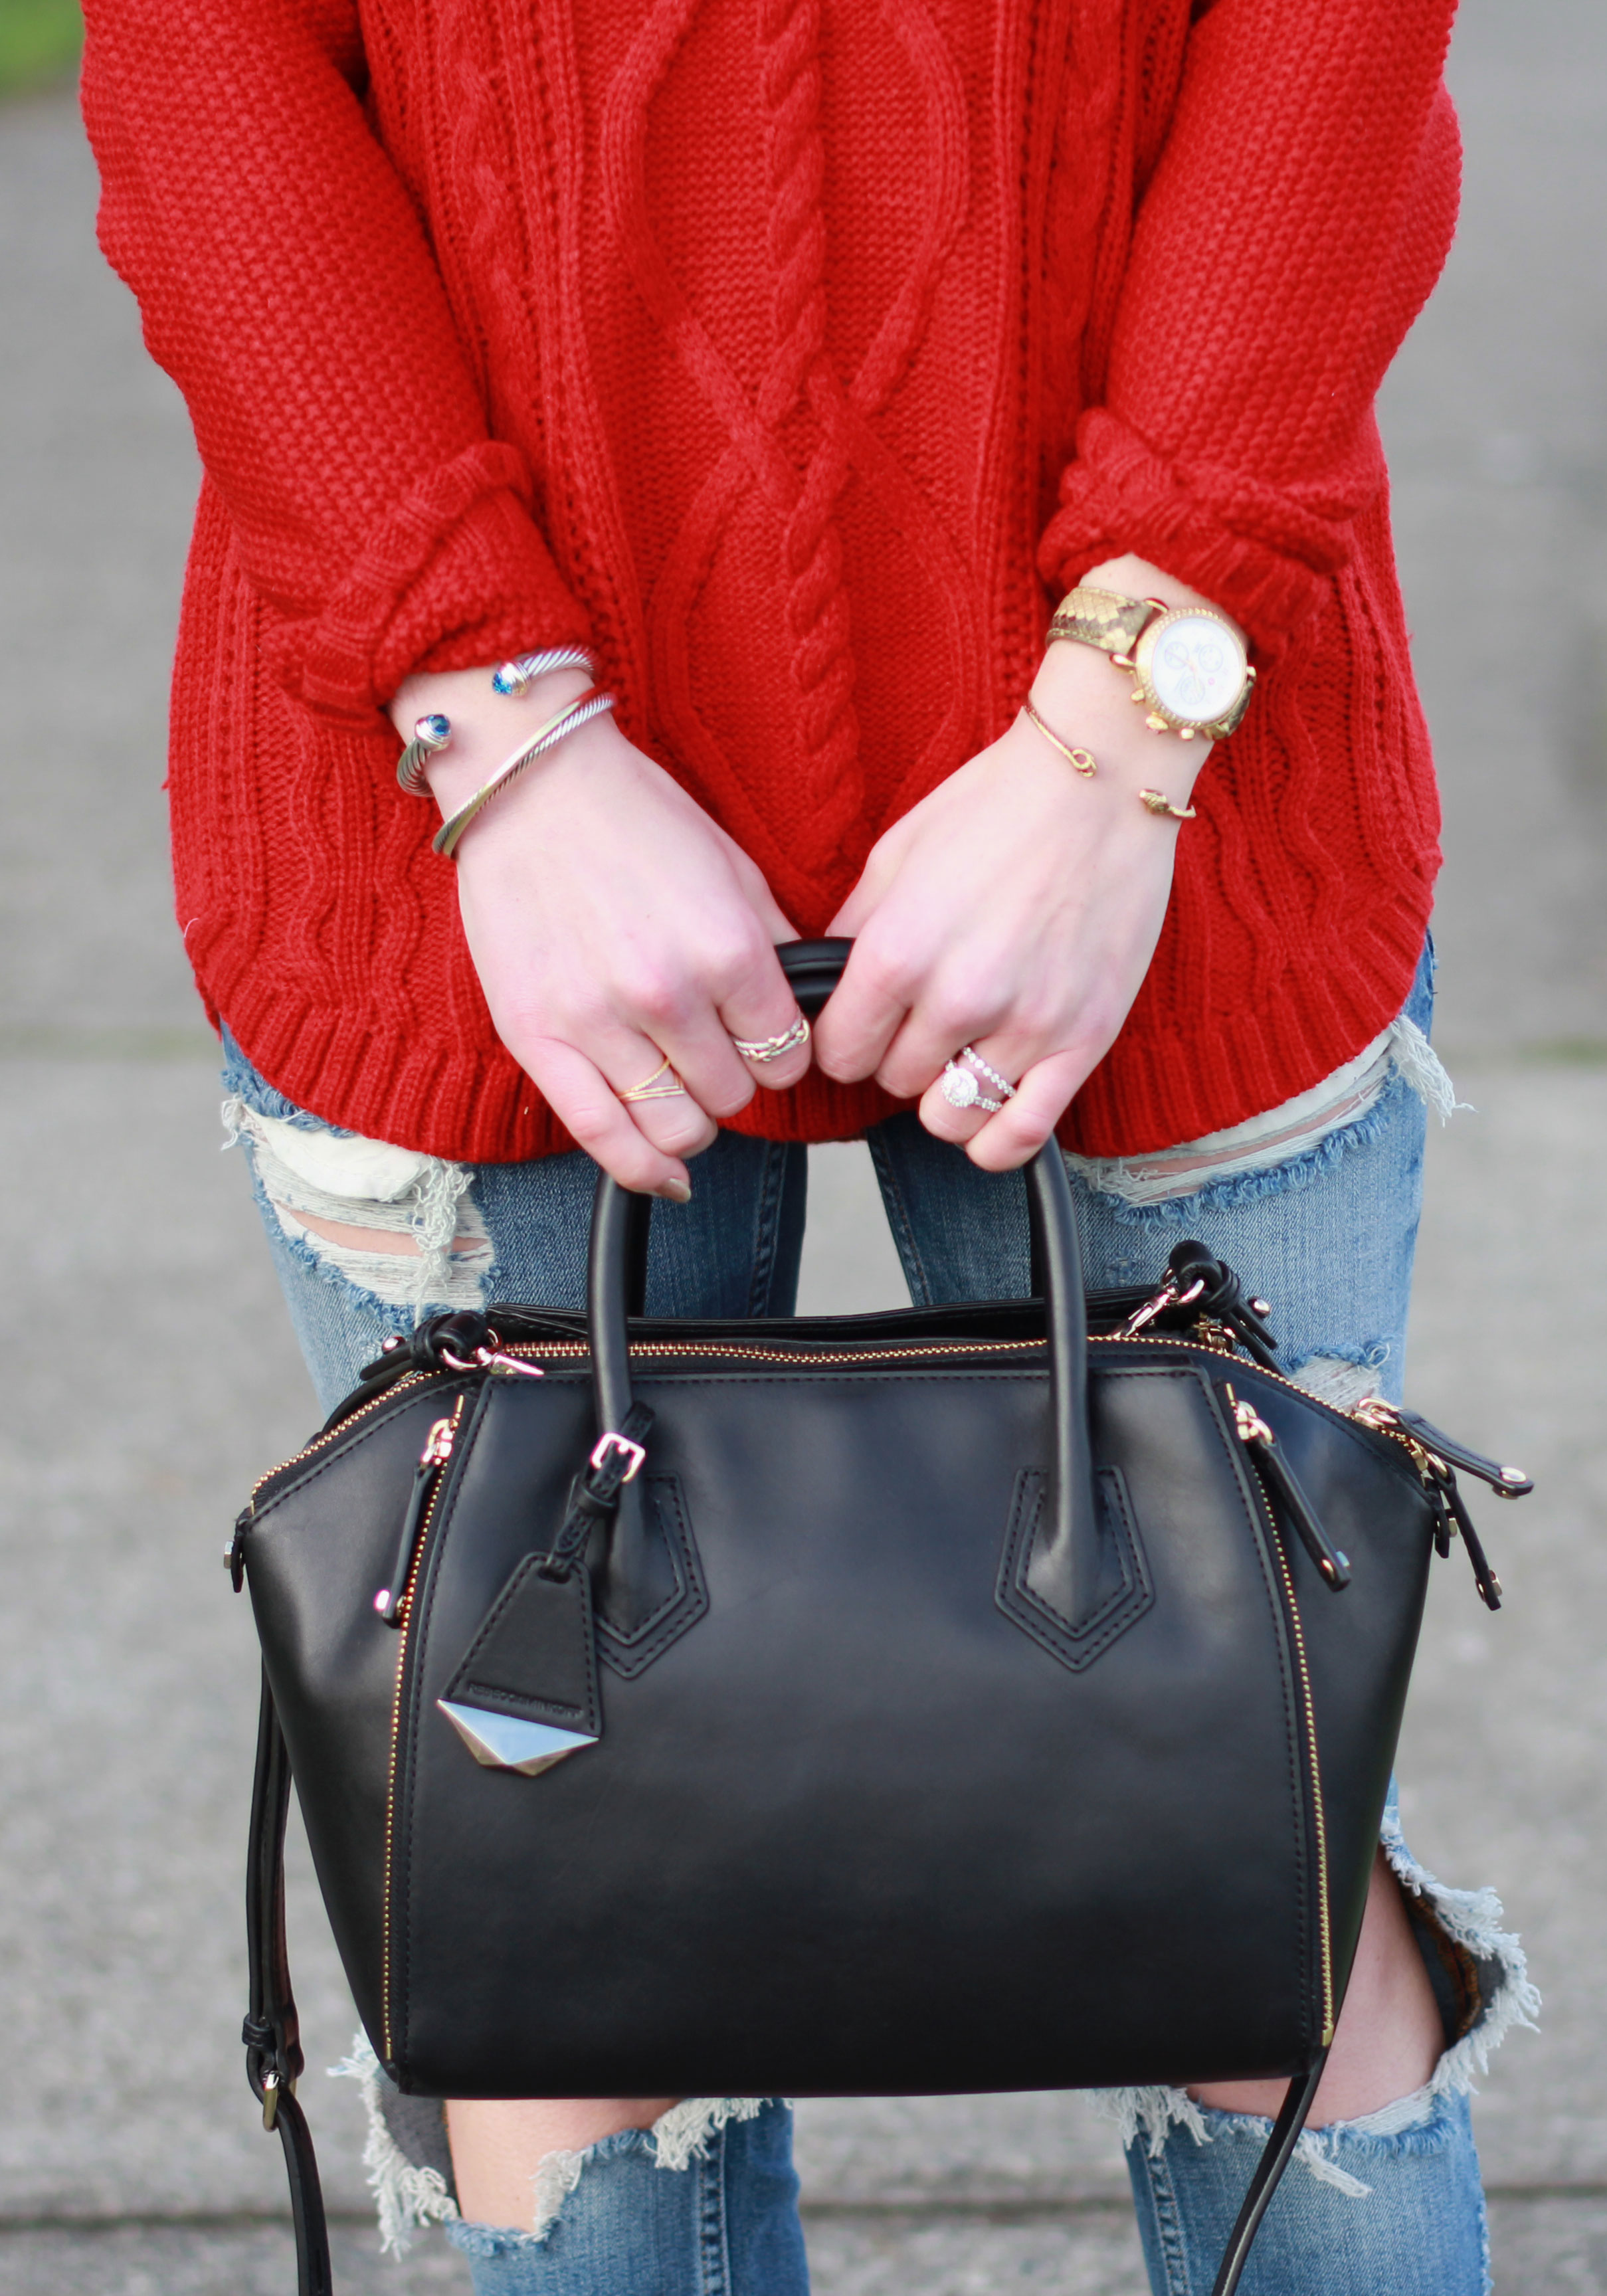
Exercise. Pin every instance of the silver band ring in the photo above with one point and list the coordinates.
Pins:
(773, 1048)
(961, 1089)
(663, 1084)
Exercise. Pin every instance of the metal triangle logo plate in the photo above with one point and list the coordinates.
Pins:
(505, 1742)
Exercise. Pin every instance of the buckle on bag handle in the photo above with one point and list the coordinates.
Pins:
(612, 1445)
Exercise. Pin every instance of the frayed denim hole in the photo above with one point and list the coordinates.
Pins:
(1173, 1216)
(242, 1081)
(1345, 2154)
(898, 1219)
(302, 1255)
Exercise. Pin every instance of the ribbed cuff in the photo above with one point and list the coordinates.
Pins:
(1265, 554)
(458, 574)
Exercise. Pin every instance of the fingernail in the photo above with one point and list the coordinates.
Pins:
(676, 1192)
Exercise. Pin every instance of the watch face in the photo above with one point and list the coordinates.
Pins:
(1196, 668)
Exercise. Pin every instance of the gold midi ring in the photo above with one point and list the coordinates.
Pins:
(773, 1048)
(1152, 801)
(663, 1084)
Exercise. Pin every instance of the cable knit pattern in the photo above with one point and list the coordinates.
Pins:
(817, 606)
(795, 353)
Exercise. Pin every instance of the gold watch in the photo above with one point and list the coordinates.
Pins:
(1188, 662)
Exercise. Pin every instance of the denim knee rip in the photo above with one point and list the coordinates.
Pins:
(1285, 1146)
(1479, 1975)
(301, 1169)
(409, 2164)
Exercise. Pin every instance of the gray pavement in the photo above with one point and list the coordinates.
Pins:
(129, 2157)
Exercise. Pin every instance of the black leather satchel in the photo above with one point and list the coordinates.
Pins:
(997, 1696)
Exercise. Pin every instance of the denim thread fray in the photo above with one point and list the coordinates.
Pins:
(1299, 1172)
(1409, 2124)
(1472, 1918)
(1412, 1064)
(366, 1184)
(408, 2197)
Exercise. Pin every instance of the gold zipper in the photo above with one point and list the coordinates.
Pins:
(443, 1436)
(1319, 1817)
(914, 1351)
(333, 1434)
(765, 1351)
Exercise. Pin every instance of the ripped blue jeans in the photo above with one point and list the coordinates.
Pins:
(1315, 1207)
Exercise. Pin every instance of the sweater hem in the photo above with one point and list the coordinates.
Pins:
(368, 1075)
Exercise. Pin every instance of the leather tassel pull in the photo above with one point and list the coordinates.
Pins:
(1506, 1482)
(1456, 1511)
(1285, 1487)
(437, 1449)
(526, 1695)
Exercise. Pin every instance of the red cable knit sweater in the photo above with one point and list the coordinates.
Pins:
(783, 349)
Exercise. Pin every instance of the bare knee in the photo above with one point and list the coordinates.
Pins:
(499, 2143)
(1389, 2033)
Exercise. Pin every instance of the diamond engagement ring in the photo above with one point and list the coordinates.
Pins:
(961, 1089)
(772, 1048)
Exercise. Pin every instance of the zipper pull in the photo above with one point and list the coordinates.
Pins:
(234, 1554)
(1258, 1438)
(491, 1358)
(432, 1459)
(1425, 1441)
(1437, 1458)
(1506, 1482)
(507, 1366)
(1484, 1577)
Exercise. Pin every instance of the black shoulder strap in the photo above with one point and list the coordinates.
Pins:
(272, 2048)
(1275, 2156)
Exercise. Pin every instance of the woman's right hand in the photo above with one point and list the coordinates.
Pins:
(613, 925)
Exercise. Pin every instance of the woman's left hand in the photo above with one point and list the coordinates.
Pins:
(1016, 908)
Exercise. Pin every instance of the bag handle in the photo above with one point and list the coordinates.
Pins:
(1066, 1570)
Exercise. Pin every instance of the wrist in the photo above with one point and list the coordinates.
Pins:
(1188, 662)
(1082, 694)
(489, 727)
(1133, 577)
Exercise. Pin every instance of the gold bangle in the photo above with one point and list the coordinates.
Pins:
(652, 1089)
(1082, 761)
(1152, 801)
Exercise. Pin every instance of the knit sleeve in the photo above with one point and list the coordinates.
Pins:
(287, 286)
(1298, 217)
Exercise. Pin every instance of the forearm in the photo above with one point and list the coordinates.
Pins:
(1298, 218)
(286, 284)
